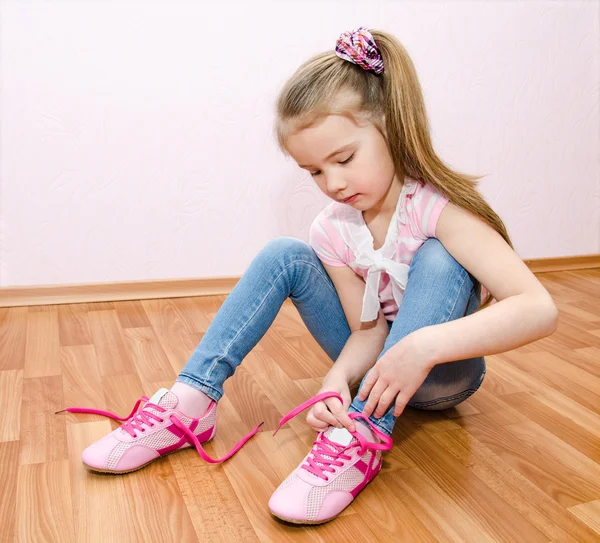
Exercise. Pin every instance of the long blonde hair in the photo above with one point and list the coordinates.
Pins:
(393, 101)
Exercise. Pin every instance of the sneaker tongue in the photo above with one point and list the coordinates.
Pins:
(340, 436)
(165, 398)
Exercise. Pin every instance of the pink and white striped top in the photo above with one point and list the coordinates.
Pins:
(340, 237)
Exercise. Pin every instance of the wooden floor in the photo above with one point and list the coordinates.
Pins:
(518, 461)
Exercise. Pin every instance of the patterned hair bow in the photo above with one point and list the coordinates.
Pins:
(358, 46)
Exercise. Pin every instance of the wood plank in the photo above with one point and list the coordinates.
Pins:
(174, 330)
(43, 433)
(496, 409)
(44, 509)
(42, 355)
(82, 384)
(559, 426)
(148, 356)
(481, 504)
(196, 311)
(11, 391)
(215, 510)
(247, 397)
(165, 516)
(9, 466)
(589, 513)
(586, 358)
(13, 333)
(542, 511)
(356, 528)
(109, 342)
(131, 314)
(555, 400)
(74, 325)
(545, 471)
(299, 358)
(444, 519)
(121, 392)
(101, 510)
(546, 443)
(496, 383)
(385, 515)
(558, 382)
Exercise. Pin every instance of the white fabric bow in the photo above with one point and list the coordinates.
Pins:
(378, 263)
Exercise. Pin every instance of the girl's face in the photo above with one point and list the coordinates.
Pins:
(345, 159)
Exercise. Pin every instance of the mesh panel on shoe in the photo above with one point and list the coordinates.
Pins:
(377, 460)
(158, 440)
(366, 458)
(203, 424)
(347, 481)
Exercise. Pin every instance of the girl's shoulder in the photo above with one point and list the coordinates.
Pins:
(422, 207)
(333, 214)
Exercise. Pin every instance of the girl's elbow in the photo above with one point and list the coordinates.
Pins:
(548, 314)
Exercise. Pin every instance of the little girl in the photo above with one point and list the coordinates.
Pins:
(389, 285)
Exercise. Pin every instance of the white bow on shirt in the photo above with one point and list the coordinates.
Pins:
(397, 272)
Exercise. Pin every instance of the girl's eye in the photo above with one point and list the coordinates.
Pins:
(343, 162)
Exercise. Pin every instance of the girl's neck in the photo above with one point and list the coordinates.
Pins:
(387, 205)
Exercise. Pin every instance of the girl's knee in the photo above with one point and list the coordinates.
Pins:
(285, 246)
(438, 266)
(434, 255)
(446, 390)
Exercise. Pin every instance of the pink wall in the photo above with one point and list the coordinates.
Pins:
(136, 143)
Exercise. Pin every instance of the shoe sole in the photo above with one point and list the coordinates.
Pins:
(113, 472)
(311, 522)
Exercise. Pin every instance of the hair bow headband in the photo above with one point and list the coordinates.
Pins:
(358, 46)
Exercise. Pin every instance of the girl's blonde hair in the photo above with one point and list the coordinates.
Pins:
(393, 102)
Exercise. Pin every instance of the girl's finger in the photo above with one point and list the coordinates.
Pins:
(367, 384)
(340, 413)
(401, 401)
(374, 396)
(385, 401)
(323, 414)
(314, 423)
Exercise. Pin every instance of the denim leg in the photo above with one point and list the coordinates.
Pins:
(285, 267)
(438, 290)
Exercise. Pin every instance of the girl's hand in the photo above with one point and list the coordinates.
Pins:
(331, 412)
(396, 375)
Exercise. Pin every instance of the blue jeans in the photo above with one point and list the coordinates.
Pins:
(438, 290)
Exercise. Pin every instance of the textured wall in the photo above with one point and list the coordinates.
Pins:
(136, 143)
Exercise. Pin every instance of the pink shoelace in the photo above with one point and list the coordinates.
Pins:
(325, 453)
(136, 420)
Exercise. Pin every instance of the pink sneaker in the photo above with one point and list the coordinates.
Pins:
(153, 431)
(336, 469)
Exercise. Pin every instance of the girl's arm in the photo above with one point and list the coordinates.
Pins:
(524, 311)
(359, 355)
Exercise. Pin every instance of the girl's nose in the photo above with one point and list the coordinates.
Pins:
(335, 184)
